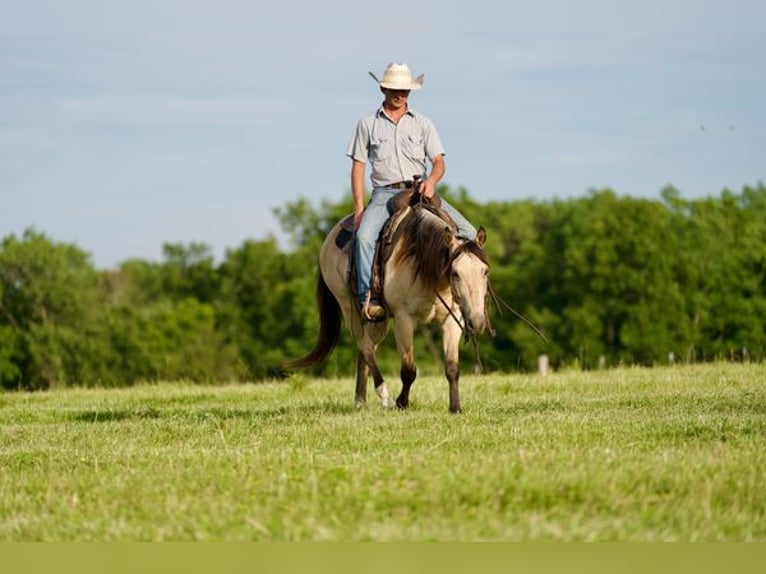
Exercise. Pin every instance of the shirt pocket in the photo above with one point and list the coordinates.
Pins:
(381, 148)
(414, 146)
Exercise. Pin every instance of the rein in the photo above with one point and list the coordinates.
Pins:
(459, 250)
(478, 367)
(490, 293)
(518, 315)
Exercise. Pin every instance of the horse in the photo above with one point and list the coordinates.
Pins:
(430, 275)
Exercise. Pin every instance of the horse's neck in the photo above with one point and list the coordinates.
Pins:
(396, 236)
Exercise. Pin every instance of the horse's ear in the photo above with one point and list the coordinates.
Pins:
(481, 237)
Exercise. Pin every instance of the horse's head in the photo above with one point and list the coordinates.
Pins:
(469, 281)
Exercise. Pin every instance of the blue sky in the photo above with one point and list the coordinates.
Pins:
(124, 125)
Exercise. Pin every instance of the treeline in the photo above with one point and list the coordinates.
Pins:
(610, 280)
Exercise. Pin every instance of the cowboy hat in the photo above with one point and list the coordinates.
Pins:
(399, 77)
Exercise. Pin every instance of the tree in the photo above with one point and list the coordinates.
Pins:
(170, 340)
(50, 314)
(257, 305)
(724, 269)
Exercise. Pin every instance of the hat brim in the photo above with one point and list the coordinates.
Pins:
(415, 84)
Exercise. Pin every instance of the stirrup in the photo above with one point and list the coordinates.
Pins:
(373, 311)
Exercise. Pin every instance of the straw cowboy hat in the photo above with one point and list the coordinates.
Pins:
(399, 77)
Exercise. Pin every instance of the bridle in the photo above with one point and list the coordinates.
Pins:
(456, 299)
(490, 294)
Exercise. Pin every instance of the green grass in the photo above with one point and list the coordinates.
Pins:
(618, 455)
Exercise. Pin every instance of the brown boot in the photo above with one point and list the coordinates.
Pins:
(373, 311)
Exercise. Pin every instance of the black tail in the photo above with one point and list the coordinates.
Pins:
(329, 329)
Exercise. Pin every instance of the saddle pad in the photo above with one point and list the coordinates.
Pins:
(346, 232)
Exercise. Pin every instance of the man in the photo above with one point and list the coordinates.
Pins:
(396, 141)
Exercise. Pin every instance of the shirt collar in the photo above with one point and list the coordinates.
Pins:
(382, 114)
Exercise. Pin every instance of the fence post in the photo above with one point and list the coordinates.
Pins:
(542, 364)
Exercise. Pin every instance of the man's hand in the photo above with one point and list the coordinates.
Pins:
(427, 188)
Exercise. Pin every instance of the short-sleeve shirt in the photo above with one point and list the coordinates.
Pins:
(395, 152)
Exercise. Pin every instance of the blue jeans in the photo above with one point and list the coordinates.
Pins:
(374, 218)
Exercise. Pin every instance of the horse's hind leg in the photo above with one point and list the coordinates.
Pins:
(367, 363)
(362, 372)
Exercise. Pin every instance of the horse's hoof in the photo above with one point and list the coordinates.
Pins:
(387, 403)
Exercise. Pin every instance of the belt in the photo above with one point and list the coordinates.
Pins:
(401, 185)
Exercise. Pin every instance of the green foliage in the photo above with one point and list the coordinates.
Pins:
(189, 272)
(255, 305)
(170, 341)
(10, 354)
(621, 280)
(49, 306)
(724, 257)
(611, 280)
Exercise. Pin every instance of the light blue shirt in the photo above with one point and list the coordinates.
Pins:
(395, 152)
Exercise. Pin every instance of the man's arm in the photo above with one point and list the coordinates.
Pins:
(438, 169)
(357, 190)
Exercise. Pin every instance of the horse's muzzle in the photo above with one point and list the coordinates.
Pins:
(475, 325)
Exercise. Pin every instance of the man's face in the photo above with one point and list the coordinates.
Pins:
(396, 98)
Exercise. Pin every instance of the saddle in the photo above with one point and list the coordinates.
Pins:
(400, 204)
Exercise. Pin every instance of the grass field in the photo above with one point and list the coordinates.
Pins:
(619, 455)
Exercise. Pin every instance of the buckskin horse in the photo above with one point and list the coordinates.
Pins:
(430, 274)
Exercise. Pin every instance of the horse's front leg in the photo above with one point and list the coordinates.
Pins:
(451, 334)
(404, 329)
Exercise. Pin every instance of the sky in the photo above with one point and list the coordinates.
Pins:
(127, 125)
